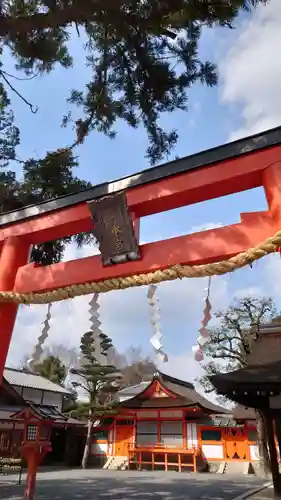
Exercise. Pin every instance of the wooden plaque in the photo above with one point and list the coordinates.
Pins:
(113, 229)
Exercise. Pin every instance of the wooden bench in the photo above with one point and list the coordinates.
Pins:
(180, 459)
(11, 466)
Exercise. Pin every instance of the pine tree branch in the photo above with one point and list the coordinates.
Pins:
(88, 12)
(24, 79)
(63, 17)
(228, 356)
(31, 107)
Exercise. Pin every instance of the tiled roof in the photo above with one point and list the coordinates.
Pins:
(255, 377)
(244, 413)
(22, 378)
(133, 390)
(7, 411)
(185, 391)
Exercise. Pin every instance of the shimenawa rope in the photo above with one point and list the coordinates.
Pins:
(242, 259)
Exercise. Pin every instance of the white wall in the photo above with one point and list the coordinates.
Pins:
(212, 451)
(6, 425)
(33, 395)
(53, 399)
(99, 449)
(40, 397)
(191, 435)
(254, 452)
(110, 441)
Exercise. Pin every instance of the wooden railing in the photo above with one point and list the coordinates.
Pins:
(162, 457)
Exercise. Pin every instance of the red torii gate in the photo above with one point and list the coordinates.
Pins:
(238, 166)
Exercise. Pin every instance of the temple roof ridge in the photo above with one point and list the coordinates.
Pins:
(162, 377)
(182, 394)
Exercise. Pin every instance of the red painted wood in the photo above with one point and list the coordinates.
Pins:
(198, 248)
(14, 253)
(219, 179)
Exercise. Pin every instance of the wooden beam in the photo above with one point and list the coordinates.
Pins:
(219, 179)
(240, 147)
(208, 246)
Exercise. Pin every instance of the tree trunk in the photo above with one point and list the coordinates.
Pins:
(278, 432)
(87, 448)
(264, 459)
(273, 455)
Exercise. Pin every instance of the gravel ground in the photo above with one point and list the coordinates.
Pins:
(130, 485)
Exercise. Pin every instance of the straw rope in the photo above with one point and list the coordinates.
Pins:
(240, 260)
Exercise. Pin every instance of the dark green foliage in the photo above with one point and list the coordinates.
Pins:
(53, 369)
(42, 179)
(99, 381)
(140, 70)
(9, 133)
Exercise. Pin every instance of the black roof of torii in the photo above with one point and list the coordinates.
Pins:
(196, 161)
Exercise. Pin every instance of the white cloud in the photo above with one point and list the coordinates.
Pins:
(250, 70)
(125, 317)
(251, 291)
(205, 227)
(272, 272)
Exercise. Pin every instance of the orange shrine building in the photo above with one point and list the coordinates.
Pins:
(165, 424)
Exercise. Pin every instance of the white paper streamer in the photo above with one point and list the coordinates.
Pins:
(38, 349)
(156, 338)
(95, 324)
(203, 331)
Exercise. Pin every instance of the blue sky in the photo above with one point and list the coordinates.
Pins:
(245, 102)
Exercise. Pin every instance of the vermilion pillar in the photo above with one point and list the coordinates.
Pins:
(272, 187)
(15, 252)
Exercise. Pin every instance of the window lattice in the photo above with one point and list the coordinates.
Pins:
(31, 433)
(5, 441)
(44, 433)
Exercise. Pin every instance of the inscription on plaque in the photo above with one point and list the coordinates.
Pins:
(113, 229)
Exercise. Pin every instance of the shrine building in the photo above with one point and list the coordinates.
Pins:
(21, 389)
(165, 424)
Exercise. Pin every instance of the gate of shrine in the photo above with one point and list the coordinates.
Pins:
(113, 211)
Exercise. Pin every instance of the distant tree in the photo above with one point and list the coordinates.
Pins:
(99, 381)
(53, 369)
(68, 355)
(134, 366)
(230, 344)
(132, 363)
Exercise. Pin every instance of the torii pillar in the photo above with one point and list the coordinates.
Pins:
(14, 254)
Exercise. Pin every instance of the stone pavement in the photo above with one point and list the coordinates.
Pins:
(264, 494)
(132, 485)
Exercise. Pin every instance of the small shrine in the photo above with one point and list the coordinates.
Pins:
(35, 445)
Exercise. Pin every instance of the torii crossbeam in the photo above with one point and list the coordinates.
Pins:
(237, 166)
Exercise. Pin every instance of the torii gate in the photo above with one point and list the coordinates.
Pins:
(237, 166)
